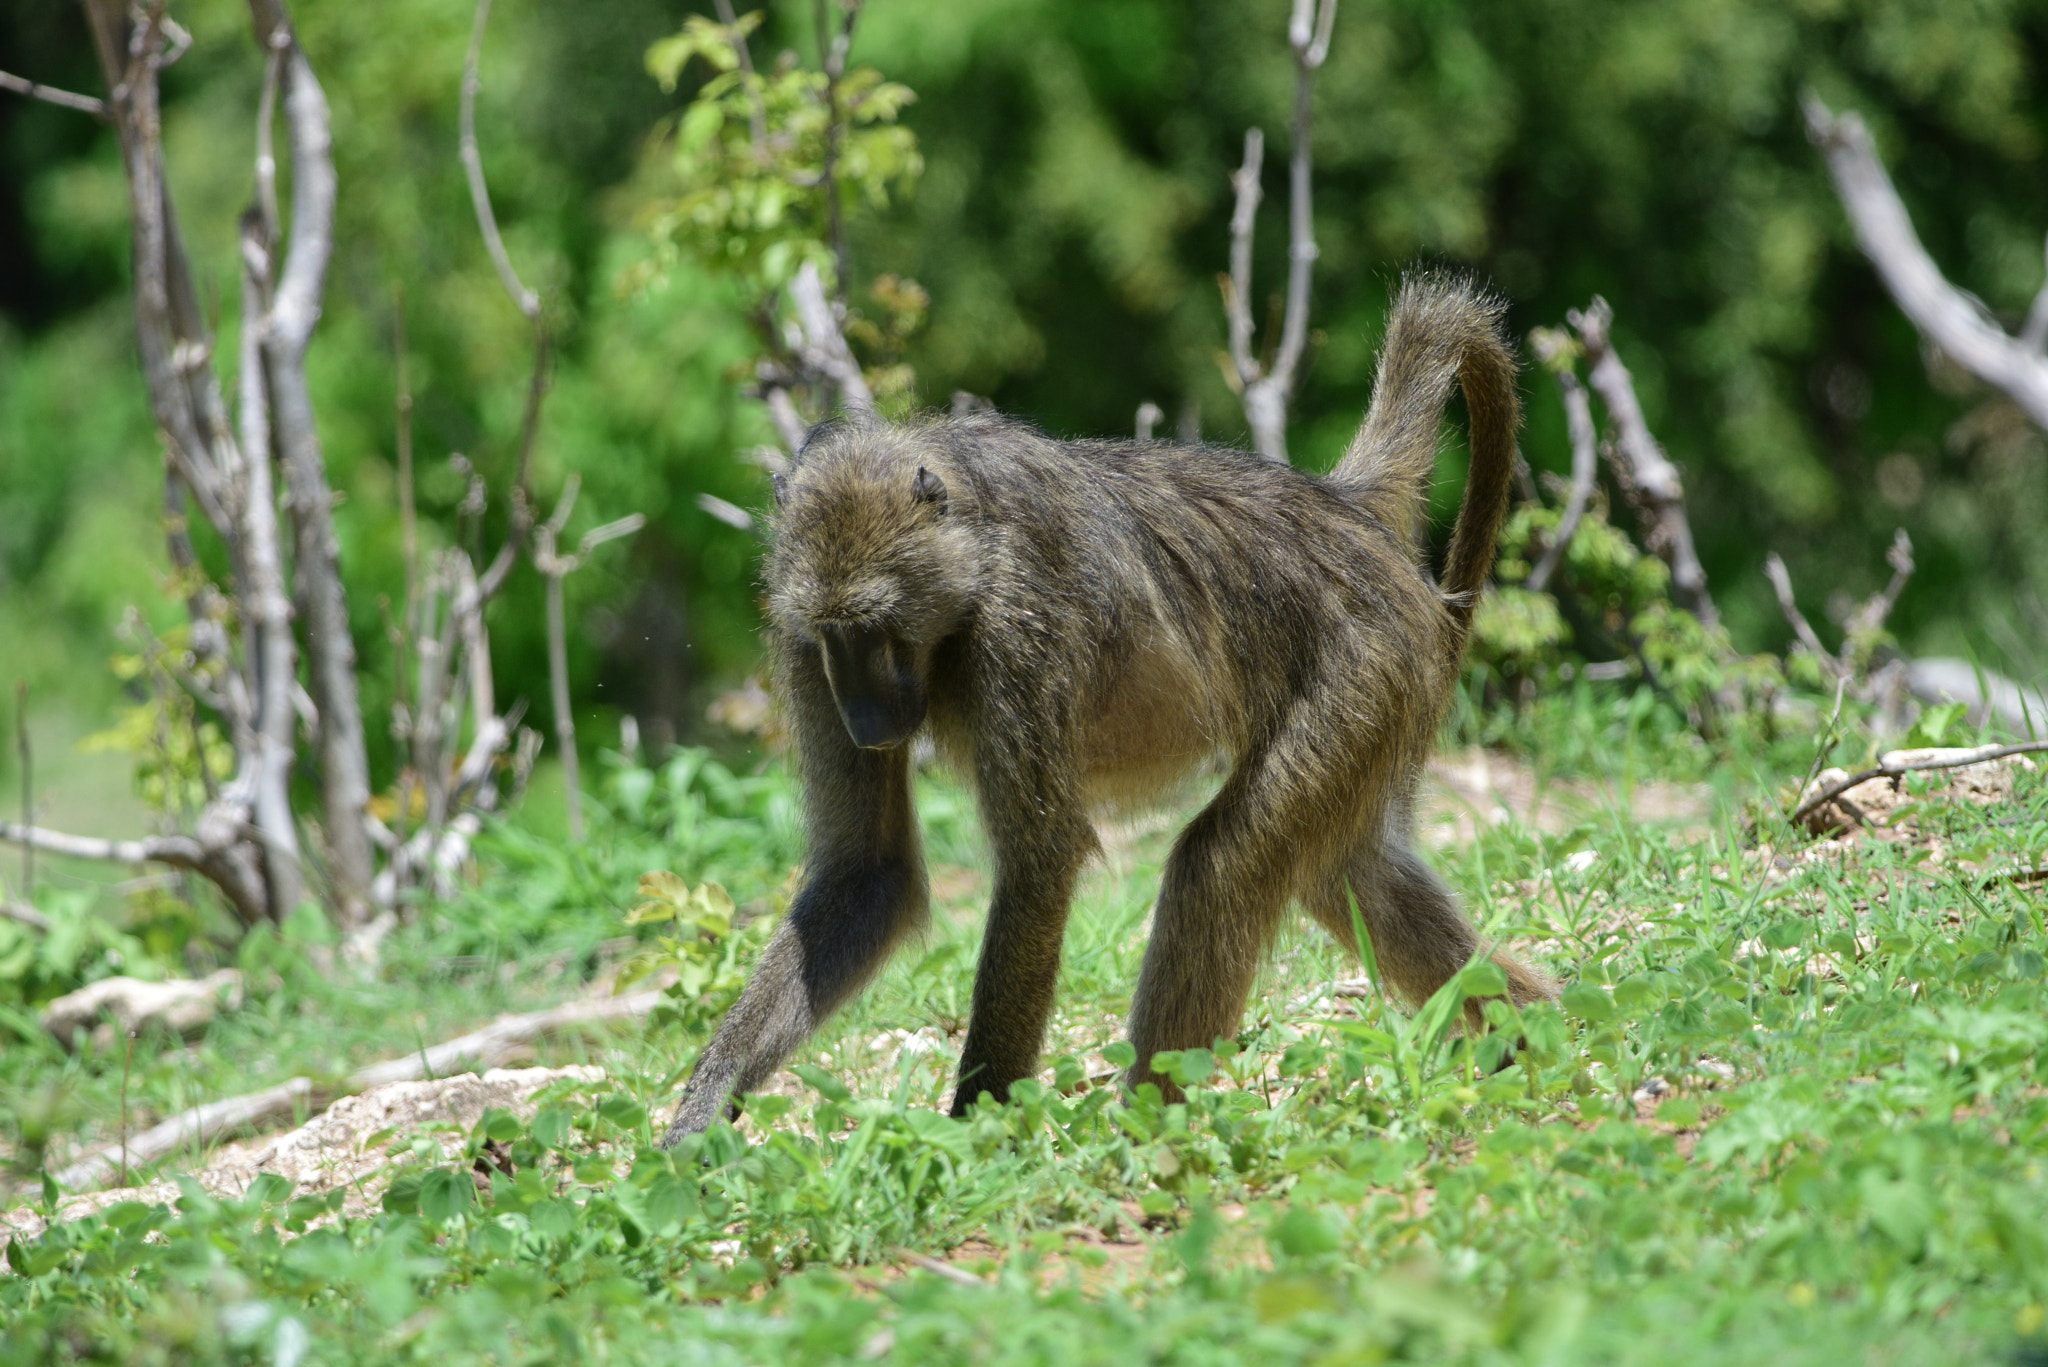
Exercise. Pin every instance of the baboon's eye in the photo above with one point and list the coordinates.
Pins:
(929, 488)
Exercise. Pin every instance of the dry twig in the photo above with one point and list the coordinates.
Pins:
(1640, 464)
(1894, 765)
(49, 94)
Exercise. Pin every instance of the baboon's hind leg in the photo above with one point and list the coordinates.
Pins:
(1226, 885)
(1420, 935)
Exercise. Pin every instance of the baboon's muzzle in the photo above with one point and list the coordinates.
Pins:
(875, 684)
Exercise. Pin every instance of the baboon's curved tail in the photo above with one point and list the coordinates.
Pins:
(1442, 327)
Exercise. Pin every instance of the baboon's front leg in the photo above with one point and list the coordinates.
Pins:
(864, 888)
(1037, 859)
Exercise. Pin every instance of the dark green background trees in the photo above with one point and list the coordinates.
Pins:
(1068, 225)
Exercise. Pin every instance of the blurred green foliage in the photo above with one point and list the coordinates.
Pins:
(1070, 216)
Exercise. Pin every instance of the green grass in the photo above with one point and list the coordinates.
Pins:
(1794, 1109)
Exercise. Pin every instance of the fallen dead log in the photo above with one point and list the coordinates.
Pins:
(183, 1005)
(480, 1049)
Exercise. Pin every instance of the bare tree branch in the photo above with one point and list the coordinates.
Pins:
(1149, 416)
(1781, 581)
(556, 568)
(1237, 286)
(214, 851)
(1870, 618)
(789, 424)
(484, 1048)
(473, 165)
(1554, 350)
(63, 99)
(2034, 332)
(1943, 314)
(266, 607)
(731, 514)
(1900, 762)
(524, 299)
(1641, 465)
(1268, 389)
(22, 913)
(1310, 46)
(824, 348)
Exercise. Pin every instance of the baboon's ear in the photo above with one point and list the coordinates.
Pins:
(781, 483)
(929, 488)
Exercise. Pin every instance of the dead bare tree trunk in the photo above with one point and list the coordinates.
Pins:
(244, 655)
(287, 330)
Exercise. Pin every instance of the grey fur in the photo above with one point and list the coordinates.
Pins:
(1079, 625)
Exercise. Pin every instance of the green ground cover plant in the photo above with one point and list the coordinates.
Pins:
(1793, 1107)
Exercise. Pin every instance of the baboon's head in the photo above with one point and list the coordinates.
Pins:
(874, 562)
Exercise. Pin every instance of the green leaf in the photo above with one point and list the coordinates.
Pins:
(821, 1082)
(941, 1132)
(550, 1128)
(445, 1193)
(1304, 1232)
(623, 1111)
(1588, 1003)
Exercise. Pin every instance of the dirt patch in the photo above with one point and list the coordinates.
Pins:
(1464, 790)
(351, 1145)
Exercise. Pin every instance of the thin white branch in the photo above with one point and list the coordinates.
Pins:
(1237, 286)
(1553, 348)
(1896, 763)
(1267, 390)
(557, 567)
(1309, 52)
(180, 851)
(611, 531)
(1943, 314)
(272, 653)
(1871, 617)
(63, 99)
(731, 514)
(188, 1129)
(1781, 582)
(1149, 417)
(789, 424)
(473, 165)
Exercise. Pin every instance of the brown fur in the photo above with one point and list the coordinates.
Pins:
(1083, 623)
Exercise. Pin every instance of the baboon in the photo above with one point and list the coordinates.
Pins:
(1078, 625)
